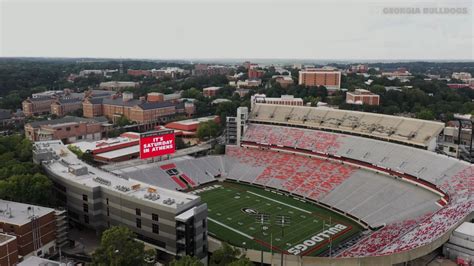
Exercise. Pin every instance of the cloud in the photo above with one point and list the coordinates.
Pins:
(321, 29)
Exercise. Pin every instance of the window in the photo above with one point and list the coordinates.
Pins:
(139, 223)
(107, 201)
(155, 228)
(108, 211)
(85, 207)
(154, 217)
(138, 212)
(68, 129)
(204, 223)
(84, 197)
(86, 219)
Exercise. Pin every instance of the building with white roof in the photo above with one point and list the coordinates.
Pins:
(98, 199)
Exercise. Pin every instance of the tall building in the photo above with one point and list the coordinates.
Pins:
(327, 77)
(236, 126)
(360, 96)
(256, 73)
(168, 220)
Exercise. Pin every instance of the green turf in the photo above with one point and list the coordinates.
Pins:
(225, 204)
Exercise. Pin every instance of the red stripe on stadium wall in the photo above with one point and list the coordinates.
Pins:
(263, 243)
(311, 250)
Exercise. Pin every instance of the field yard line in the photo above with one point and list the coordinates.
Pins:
(282, 203)
(230, 228)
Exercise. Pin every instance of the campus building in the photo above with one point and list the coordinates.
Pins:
(327, 77)
(361, 96)
(118, 85)
(156, 108)
(170, 221)
(68, 129)
(38, 231)
(210, 91)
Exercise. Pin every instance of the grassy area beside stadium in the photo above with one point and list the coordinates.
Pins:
(235, 216)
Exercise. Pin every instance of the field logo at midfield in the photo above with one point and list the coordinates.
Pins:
(326, 234)
(249, 211)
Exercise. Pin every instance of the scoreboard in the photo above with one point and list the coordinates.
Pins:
(157, 143)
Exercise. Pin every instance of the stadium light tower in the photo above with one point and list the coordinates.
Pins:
(282, 221)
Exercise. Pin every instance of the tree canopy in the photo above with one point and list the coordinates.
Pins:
(187, 261)
(118, 247)
(208, 129)
(20, 179)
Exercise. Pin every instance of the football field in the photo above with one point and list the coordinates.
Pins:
(254, 218)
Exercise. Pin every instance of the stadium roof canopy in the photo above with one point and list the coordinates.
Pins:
(403, 130)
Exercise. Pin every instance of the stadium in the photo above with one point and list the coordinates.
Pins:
(324, 186)
(302, 185)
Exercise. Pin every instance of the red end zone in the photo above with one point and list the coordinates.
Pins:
(157, 143)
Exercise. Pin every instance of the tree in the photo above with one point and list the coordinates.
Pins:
(187, 261)
(118, 247)
(425, 114)
(180, 144)
(242, 261)
(123, 121)
(224, 256)
(29, 188)
(209, 129)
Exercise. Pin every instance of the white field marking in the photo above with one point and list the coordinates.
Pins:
(282, 203)
(230, 228)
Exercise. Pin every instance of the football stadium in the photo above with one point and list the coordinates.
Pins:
(319, 186)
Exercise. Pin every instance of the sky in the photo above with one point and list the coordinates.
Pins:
(229, 29)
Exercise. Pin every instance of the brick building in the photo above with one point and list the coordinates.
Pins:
(37, 106)
(138, 72)
(38, 230)
(156, 109)
(361, 68)
(58, 102)
(208, 70)
(256, 73)
(284, 81)
(68, 129)
(360, 96)
(8, 250)
(327, 77)
(210, 91)
(63, 106)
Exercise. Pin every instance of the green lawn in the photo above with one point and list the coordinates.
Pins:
(233, 211)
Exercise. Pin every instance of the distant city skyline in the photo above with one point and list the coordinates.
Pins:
(320, 30)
